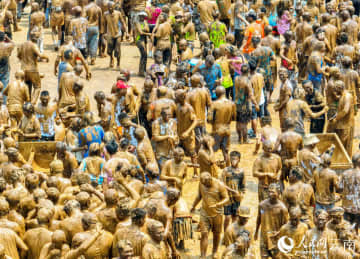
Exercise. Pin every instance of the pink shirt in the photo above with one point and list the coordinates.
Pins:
(154, 15)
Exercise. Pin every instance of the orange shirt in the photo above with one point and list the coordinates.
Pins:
(254, 28)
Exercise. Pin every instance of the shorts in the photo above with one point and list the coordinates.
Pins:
(57, 19)
(47, 138)
(113, 46)
(352, 218)
(33, 78)
(151, 27)
(269, 86)
(207, 224)
(258, 114)
(243, 113)
(230, 210)
(222, 142)
(188, 145)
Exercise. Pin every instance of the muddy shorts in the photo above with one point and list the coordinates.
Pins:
(207, 224)
(221, 142)
(188, 145)
(230, 210)
(113, 45)
(243, 113)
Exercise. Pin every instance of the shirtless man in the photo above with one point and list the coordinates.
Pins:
(101, 247)
(112, 19)
(199, 98)
(78, 29)
(29, 126)
(46, 113)
(331, 31)
(163, 34)
(274, 43)
(349, 26)
(104, 108)
(165, 136)
(300, 194)
(272, 215)
(343, 122)
(316, 65)
(162, 101)
(94, 15)
(72, 224)
(294, 229)
(243, 97)
(18, 94)
(214, 196)
(319, 239)
(348, 186)
(325, 183)
(206, 8)
(222, 113)
(284, 96)
(37, 19)
(174, 171)
(302, 31)
(288, 54)
(267, 168)
(57, 245)
(63, 63)
(296, 109)
(155, 247)
(351, 80)
(57, 20)
(187, 122)
(133, 233)
(144, 150)
(267, 132)
(234, 178)
(6, 48)
(28, 54)
(343, 49)
(290, 142)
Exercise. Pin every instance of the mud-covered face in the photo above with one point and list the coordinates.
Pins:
(234, 161)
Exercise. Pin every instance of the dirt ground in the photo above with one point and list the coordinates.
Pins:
(103, 78)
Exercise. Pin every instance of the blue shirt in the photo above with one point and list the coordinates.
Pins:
(89, 135)
(210, 76)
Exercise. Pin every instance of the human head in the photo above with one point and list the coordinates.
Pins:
(88, 221)
(235, 157)
(346, 62)
(296, 174)
(156, 230)
(125, 249)
(165, 116)
(209, 61)
(179, 155)
(294, 216)
(44, 97)
(77, 10)
(336, 215)
(220, 91)
(111, 147)
(321, 217)
(88, 118)
(28, 109)
(206, 179)
(152, 170)
(243, 215)
(172, 195)
(245, 69)
(308, 86)
(58, 238)
(78, 86)
(99, 97)
(268, 30)
(267, 147)
(138, 216)
(356, 160)
(4, 207)
(274, 189)
(71, 206)
(343, 38)
(68, 54)
(124, 119)
(180, 96)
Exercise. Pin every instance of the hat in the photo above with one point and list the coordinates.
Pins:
(243, 211)
(121, 85)
(336, 211)
(143, 14)
(310, 139)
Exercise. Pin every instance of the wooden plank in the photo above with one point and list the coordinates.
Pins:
(340, 159)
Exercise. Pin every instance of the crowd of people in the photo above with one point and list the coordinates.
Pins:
(107, 181)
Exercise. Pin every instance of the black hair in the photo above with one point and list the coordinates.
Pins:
(138, 214)
(122, 116)
(124, 142)
(111, 147)
(252, 64)
(44, 93)
(235, 153)
(2, 36)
